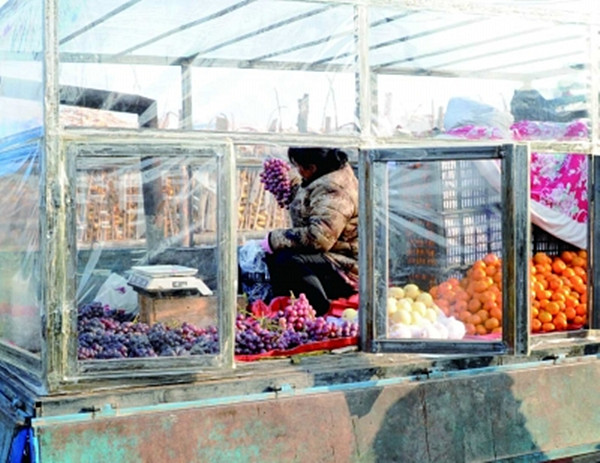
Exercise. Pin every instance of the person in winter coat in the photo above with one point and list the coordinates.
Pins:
(318, 255)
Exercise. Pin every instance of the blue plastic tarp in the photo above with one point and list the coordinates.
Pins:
(20, 151)
(23, 447)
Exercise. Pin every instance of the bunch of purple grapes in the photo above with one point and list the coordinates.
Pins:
(289, 338)
(301, 316)
(320, 330)
(97, 310)
(274, 177)
(296, 314)
(251, 337)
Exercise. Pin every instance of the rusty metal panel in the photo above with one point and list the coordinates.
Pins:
(274, 431)
(502, 414)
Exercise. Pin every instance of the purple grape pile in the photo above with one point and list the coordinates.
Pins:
(251, 337)
(105, 333)
(292, 326)
(274, 177)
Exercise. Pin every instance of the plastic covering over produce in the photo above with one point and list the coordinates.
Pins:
(146, 237)
(193, 70)
(442, 224)
(290, 66)
(470, 75)
(258, 76)
(21, 92)
(20, 241)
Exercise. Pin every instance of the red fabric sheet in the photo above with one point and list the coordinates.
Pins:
(330, 344)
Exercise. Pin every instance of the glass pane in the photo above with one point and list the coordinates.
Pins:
(443, 227)
(265, 66)
(20, 66)
(457, 76)
(559, 215)
(147, 235)
(20, 286)
(295, 298)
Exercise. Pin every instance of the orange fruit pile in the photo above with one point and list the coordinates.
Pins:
(476, 299)
(558, 294)
(558, 291)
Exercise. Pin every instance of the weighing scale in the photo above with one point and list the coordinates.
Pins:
(172, 294)
(167, 278)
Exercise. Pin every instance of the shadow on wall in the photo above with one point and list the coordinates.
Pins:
(463, 420)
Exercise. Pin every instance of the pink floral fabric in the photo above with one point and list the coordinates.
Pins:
(529, 130)
(475, 132)
(558, 181)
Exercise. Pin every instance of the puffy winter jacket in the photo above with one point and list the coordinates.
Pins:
(324, 215)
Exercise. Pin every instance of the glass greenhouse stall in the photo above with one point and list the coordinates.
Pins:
(136, 322)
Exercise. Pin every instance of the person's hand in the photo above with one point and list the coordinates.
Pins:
(264, 244)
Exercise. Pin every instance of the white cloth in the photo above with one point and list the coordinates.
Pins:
(464, 111)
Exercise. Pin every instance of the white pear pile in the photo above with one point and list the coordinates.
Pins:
(413, 314)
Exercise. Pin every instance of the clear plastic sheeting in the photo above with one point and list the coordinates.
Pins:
(275, 101)
(291, 66)
(112, 197)
(582, 8)
(147, 264)
(261, 75)
(259, 66)
(522, 68)
(21, 92)
(20, 319)
(442, 223)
